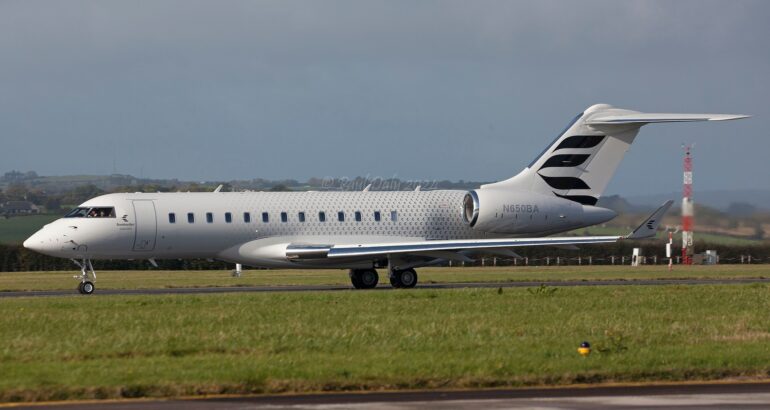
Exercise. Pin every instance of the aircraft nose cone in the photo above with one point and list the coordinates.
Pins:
(38, 242)
(33, 243)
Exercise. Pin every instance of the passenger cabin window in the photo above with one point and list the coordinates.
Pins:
(228, 217)
(393, 216)
(322, 216)
(209, 217)
(96, 212)
(171, 218)
(377, 216)
(301, 216)
(341, 216)
(246, 217)
(190, 217)
(284, 217)
(358, 216)
(265, 217)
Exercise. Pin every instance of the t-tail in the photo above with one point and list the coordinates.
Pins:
(580, 162)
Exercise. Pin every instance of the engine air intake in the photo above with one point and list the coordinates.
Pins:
(471, 208)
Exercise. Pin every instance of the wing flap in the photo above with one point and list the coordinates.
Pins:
(343, 251)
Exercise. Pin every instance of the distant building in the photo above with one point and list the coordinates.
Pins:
(19, 208)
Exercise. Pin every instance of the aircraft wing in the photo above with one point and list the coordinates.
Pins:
(447, 248)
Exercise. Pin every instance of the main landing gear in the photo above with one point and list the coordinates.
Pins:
(86, 286)
(405, 278)
(368, 278)
(364, 278)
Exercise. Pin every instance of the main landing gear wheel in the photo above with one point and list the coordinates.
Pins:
(86, 287)
(364, 278)
(406, 278)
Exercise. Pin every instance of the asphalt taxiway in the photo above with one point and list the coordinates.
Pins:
(700, 396)
(337, 288)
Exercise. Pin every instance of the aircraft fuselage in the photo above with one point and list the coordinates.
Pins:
(254, 228)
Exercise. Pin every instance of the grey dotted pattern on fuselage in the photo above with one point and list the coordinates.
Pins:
(430, 215)
(420, 214)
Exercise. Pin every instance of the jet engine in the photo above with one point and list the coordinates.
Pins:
(515, 212)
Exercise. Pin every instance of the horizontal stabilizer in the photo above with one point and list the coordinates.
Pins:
(648, 118)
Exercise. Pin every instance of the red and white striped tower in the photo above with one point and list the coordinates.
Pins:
(688, 212)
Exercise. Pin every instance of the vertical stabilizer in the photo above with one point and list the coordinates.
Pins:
(581, 161)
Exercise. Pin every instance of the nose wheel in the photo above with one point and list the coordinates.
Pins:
(86, 286)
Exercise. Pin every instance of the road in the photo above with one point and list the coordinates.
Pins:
(700, 396)
(330, 288)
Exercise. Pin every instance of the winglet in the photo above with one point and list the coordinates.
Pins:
(650, 225)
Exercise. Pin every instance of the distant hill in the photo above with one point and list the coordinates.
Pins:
(60, 184)
(736, 201)
(719, 199)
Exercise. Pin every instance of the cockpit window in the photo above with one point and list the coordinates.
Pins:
(77, 213)
(96, 212)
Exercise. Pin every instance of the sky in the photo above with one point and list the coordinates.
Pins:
(420, 90)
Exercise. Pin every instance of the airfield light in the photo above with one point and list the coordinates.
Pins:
(584, 349)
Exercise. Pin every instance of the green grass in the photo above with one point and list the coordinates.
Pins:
(137, 346)
(10, 281)
(18, 228)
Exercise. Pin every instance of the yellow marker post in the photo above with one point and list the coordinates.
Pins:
(584, 349)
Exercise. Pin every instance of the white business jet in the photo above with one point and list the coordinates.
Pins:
(363, 231)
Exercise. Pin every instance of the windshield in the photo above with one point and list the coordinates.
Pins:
(95, 212)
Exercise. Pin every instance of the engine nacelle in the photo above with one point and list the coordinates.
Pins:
(512, 212)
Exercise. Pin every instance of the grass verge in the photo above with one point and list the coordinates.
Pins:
(157, 346)
(15, 281)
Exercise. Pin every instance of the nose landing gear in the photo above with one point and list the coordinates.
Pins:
(86, 286)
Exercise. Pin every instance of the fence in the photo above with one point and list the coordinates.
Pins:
(593, 260)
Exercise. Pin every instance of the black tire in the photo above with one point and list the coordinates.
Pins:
(355, 279)
(80, 288)
(368, 278)
(407, 278)
(87, 287)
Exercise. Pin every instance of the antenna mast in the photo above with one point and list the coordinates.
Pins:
(688, 211)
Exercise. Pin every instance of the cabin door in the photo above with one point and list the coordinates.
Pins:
(146, 225)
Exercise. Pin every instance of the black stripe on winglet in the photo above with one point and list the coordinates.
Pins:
(581, 199)
(565, 182)
(580, 141)
(565, 160)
